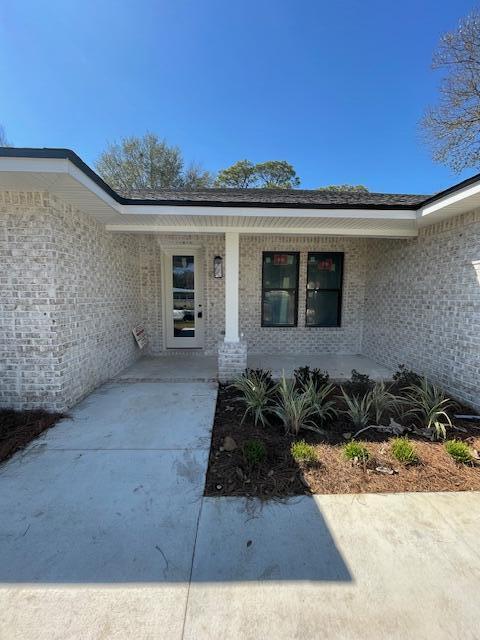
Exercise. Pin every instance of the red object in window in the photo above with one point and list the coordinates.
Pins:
(280, 258)
(326, 265)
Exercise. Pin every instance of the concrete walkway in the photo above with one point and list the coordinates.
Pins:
(104, 534)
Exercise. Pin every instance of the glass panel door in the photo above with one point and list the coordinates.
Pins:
(183, 296)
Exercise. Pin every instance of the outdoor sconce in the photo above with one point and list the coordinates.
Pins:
(218, 267)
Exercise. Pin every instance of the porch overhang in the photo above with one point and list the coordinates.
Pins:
(80, 186)
(62, 173)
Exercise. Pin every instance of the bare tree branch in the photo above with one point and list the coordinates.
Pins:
(452, 127)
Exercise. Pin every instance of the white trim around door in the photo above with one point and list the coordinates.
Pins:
(184, 314)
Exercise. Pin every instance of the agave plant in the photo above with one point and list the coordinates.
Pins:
(383, 401)
(358, 408)
(294, 407)
(256, 394)
(319, 398)
(430, 405)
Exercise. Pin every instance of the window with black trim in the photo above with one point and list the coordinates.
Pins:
(279, 288)
(324, 289)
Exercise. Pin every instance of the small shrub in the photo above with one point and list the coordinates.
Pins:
(356, 451)
(383, 401)
(303, 452)
(256, 394)
(358, 409)
(404, 377)
(254, 452)
(430, 405)
(404, 451)
(359, 383)
(294, 407)
(303, 375)
(459, 451)
(324, 408)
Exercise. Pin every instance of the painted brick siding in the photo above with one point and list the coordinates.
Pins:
(70, 296)
(302, 339)
(422, 304)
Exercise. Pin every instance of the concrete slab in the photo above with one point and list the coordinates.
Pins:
(138, 416)
(338, 366)
(179, 367)
(97, 531)
(370, 566)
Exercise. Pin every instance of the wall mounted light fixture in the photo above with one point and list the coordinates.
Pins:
(218, 267)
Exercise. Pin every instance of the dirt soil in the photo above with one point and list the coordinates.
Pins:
(279, 475)
(19, 428)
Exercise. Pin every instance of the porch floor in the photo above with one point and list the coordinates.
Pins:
(172, 368)
(184, 367)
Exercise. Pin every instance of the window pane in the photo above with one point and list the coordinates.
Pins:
(280, 271)
(278, 308)
(183, 277)
(324, 271)
(322, 308)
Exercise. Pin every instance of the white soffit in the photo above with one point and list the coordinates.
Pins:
(452, 204)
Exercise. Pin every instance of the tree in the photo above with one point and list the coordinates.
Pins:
(3, 138)
(272, 174)
(149, 163)
(344, 187)
(277, 174)
(240, 175)
(452, 127)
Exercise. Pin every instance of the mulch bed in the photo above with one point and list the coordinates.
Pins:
(279, 476)
(19, 428)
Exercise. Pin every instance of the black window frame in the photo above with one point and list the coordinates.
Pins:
(339, 289)
(297, 282)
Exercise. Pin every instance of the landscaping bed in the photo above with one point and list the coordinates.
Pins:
(19, 428)
(267, 468)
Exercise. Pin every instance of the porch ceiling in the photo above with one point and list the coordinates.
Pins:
(375, 225)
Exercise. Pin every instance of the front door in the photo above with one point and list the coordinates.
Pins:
(183, 298)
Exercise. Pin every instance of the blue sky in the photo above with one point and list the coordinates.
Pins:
(336, 88)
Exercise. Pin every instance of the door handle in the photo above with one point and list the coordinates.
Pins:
(200, 314)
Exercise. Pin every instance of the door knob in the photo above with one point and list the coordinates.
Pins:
(200, 314)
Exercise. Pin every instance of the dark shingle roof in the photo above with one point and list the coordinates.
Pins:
(296, 198)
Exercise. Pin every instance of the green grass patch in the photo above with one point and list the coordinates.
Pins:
(460, 451)
(303, 452)
(254, 452)
(404, 451)
(356, 451)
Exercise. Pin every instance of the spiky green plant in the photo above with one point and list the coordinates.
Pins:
(358, 409)
(404, 451)
(256, 394)
(325, 407)
(429, 405)
(356, 451)
(460, 451)
(303, 452)
(294, 407)
(383, 401)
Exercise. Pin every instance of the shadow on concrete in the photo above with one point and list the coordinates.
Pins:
(88, 521)
(240, 539)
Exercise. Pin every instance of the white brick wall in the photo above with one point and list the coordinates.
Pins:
(71, 292)
(422, 304)
(70, 296)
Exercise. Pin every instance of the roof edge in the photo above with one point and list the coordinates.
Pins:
(68, 154)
